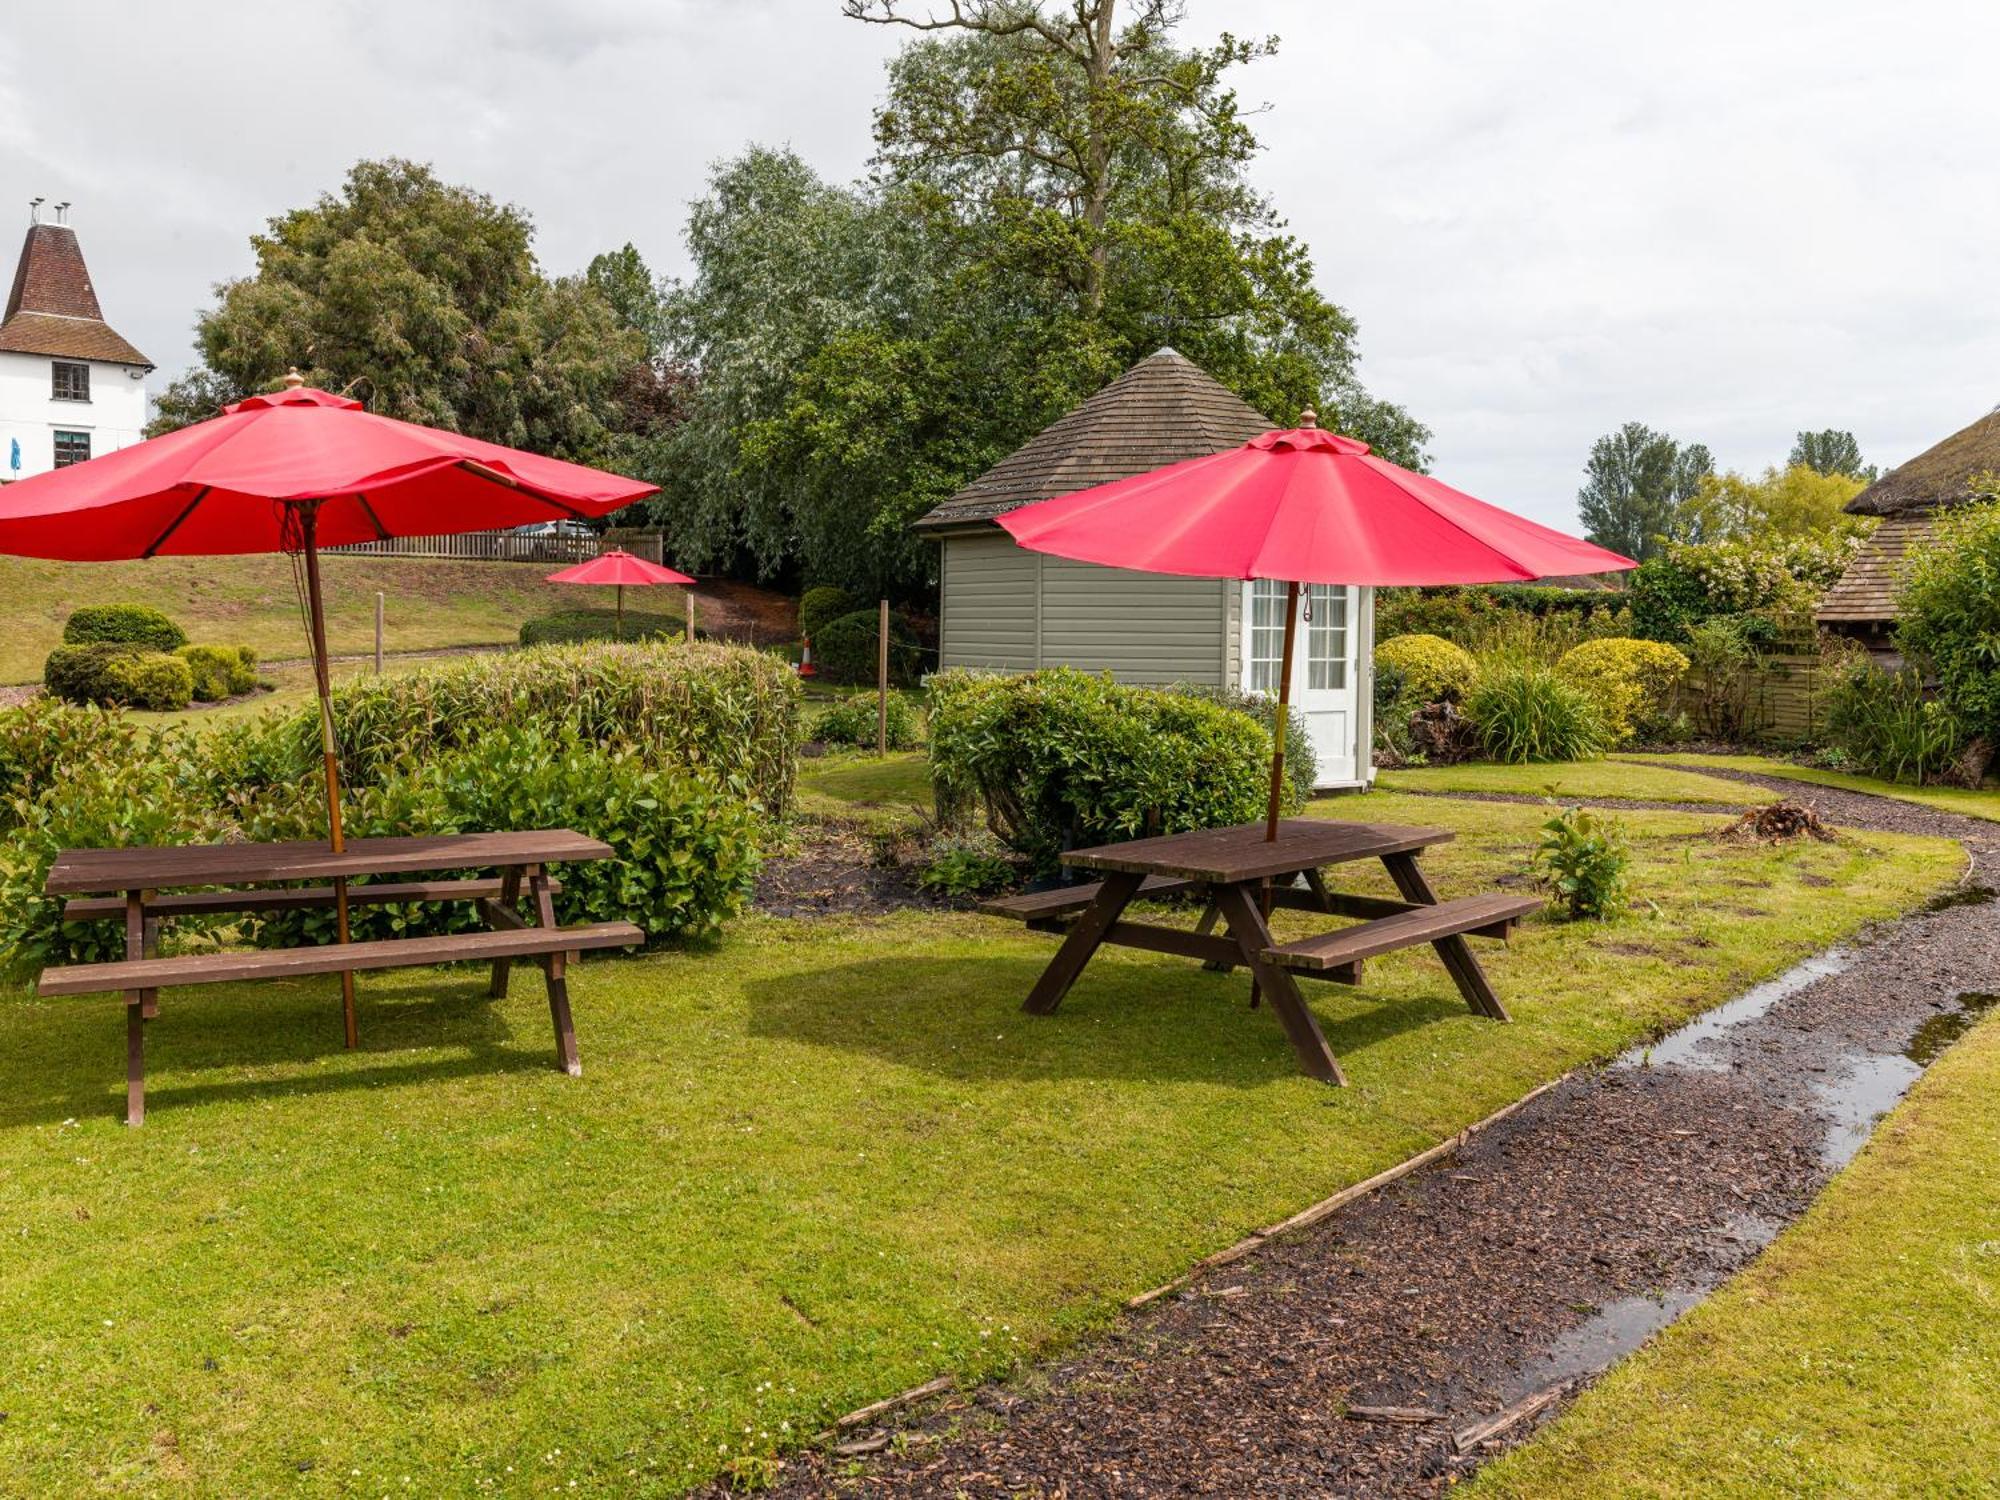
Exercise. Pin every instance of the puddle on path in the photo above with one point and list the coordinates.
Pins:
(1947, 1026)
(1686, 1047)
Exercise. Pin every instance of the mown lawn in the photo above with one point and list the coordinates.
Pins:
(1983, 803)
(431, 602)
(887, 790)
(1579, 779)
(1860, 1355)
(815, 1165)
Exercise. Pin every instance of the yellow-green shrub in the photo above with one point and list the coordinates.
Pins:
(1628, 680)
(1432, 668)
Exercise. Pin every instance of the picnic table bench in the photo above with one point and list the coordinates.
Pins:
(239, 878)
(1241, 874)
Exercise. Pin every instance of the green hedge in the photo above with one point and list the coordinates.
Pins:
(117, 674)
(573, 626)
(846, 651)
(135, 624)
(220, 671)
(820, 607)
(1060, 758)
(854, 721)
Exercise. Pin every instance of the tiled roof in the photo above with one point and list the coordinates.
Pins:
(52, 308)
(1161, 411)
(1941, 475)
(1867, 590)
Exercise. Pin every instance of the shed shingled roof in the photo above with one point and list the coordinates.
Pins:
(1866, 591)
(1161, 411)
(52, 308)
(1939, 476)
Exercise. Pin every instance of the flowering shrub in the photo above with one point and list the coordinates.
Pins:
(1432, 668)
(1777, 581)
(1628, 680)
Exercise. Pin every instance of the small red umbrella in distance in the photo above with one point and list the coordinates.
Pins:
(1297, 506)
(617, 568)
(292, 472)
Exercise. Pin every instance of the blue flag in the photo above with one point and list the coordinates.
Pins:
(17, 456)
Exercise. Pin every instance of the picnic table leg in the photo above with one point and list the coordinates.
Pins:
(1210, 915)
(510, 897)
(1459, 959)
(1253, 936)
(554, 968)
(135, 1060)
(141, 941)
(1082, 940)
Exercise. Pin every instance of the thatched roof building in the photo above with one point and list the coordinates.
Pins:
(1908, 499)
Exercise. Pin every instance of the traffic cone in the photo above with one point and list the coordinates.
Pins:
(806, 667)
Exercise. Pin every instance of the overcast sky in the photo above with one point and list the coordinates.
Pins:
(1729, 220)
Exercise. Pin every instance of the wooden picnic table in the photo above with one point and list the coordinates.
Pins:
(1241, 875)
(154, 884)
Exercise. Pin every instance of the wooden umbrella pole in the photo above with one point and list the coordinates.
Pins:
(322, 675)
(1284, 711)
(621, 612)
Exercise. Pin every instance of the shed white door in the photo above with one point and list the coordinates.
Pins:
(1324, 679)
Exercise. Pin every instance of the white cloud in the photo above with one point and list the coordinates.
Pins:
(1729, 220)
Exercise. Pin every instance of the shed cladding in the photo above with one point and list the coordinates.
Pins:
(1163, 410)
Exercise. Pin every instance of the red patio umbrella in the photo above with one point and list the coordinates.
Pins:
(293, 472)
(1297, 506)
(617, 568)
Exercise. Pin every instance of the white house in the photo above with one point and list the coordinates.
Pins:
(70, 387)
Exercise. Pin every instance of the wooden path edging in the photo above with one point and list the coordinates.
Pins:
(1304, 1219)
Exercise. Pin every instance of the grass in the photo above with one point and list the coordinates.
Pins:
(1576, 779)
(249, 601)
(1983, 803)
(1860, 1355)
(886, 792)
(815, 1165)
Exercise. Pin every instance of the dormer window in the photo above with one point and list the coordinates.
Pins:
(70, 382)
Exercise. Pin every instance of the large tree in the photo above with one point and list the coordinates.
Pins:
(1831, 450)
(423, 300)
(1642, 489)
(1797, 500)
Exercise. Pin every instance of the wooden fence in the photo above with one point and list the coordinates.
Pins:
(509, 546)
(1781, 698)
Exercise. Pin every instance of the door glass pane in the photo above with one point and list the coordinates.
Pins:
(1267, 634)
(1326, 637)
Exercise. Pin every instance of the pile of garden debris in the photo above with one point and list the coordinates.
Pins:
(1778, 823)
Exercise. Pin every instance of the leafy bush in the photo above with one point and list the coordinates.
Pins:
(960, 866)
(1949, 617)
(1581, 861)
(572, 626)
(1886, 725)
(1392, 735)
(1776, 580)
(1301, 764)
(685, 847)
(1061, 758)
(121, 674)
(852, 721)
(820, 607)
(1525, 711)
(132, 624)
(1630, 681)
(1721, 652)
(1432, 668)
(1471, 615)
(845, 650)
(220, 671)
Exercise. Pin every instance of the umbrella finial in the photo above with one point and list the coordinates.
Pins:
(1308, 418)
(293, 379)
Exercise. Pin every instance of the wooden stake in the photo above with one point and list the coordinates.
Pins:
(882, 682)
(378, 634)
(690, 600)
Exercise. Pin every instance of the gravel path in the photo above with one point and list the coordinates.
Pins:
(1507, 1273)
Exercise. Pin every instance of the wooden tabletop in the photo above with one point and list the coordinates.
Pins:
(1231, 855)
(79, 872)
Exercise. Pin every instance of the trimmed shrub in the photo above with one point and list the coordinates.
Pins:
(1630, 681)
(1432, 668)
(819, 607)
(1886, 725)
(572, 626)
(1950, 614)
(220, 671)
(1061, 758)
(78, 674)
(1526, 712)
(852, 721)
(116, 674)
(1301, 765)
(844, 651)
(134, 624)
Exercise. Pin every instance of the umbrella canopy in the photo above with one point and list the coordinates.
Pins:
(239, 483)
(618, 567)
(292, 472)
(1298, 506)
(1301, 506)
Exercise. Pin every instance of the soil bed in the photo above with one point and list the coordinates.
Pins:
(1544, 1249)
(832, 871)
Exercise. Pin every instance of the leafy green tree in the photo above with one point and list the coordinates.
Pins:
(624, 280)
(1830, 451)
(1641, 490)
(1792, 501)
(423, 300)
(1948, 611)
